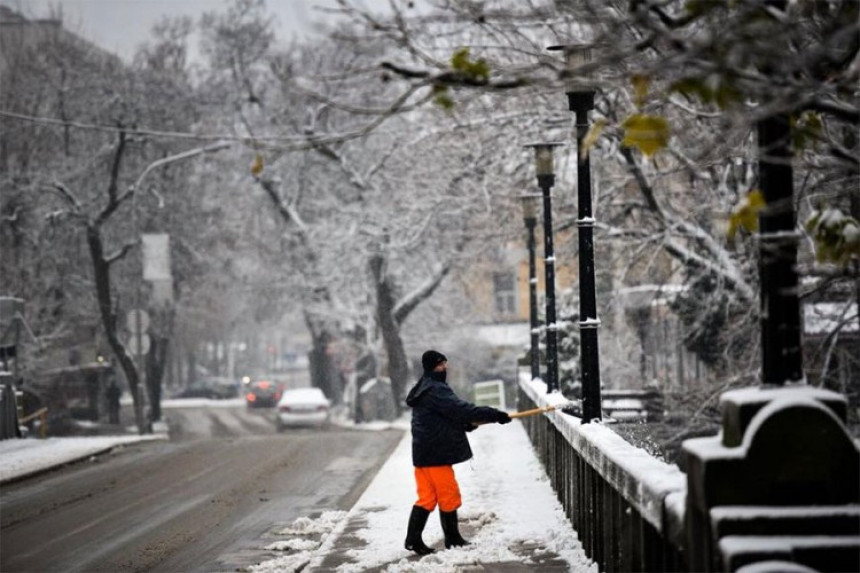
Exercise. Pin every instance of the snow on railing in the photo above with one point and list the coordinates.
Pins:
(616, 495)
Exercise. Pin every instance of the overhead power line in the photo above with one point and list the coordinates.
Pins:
(306, 141)
(134, 131)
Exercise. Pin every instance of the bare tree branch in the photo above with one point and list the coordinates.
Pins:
(172, 159)
(410, 301)
(453, 78)
(113, 183)
(67, 194)
(119, 253)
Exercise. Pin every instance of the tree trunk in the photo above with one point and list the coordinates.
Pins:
(157, 359)
(398, 367)
(156, 362)
(324, 373)
(101, 273)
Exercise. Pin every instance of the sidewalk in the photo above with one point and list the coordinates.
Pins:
(23, 458)
(509, 513)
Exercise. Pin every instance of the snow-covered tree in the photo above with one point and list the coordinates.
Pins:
(681, 88)
(79, 175)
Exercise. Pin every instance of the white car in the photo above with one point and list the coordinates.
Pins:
(302, 407)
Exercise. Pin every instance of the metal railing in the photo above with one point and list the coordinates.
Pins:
(626, 505)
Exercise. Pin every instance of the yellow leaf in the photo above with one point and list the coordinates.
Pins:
(444, 101)
(257, 165)
(591, 137)
(745, 214)
(756, 199)
(732, 229)
(640, 89)
(648, 133)
(460, 59)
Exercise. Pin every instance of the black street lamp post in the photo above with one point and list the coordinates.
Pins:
(530, 220)
(782, 359)
(546, 180)
(580, 97)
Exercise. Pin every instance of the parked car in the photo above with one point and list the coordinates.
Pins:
(302, 407)
(262, 394)
(211, 388)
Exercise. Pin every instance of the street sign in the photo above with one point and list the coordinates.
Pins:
(135, 317)
(134, 343)
(156, 257)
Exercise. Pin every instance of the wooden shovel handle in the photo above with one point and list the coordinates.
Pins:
(532, 412)
(525, 413)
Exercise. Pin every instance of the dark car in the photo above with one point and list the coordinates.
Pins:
(262, 394)
(211, 388)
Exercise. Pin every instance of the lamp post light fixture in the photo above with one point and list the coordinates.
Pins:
(546, 179)
(580, 96)
(530, 219)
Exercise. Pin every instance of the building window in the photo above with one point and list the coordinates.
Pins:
(505, 293)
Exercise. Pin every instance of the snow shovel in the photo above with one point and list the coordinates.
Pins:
(533, 412)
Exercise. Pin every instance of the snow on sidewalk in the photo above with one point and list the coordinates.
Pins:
(510, 514)
(20, 458)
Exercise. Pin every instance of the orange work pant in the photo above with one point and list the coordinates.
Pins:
(437, 484)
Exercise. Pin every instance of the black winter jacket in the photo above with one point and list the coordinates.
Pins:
(440, 421)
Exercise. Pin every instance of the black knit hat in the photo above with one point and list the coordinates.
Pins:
(431, 358)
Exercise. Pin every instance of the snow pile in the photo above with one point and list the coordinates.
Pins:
(295, 544)
(308, 534)
(294, 562)
(306, 526)
(25, 457)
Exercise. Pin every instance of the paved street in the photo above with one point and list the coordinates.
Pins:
(197, 504)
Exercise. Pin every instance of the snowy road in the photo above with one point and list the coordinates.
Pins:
(197, 504)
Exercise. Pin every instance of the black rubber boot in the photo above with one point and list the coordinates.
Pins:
(451, 529)
(417, 521)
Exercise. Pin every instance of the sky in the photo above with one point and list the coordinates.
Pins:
(120, 26)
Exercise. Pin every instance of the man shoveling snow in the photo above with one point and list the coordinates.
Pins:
(440, 420)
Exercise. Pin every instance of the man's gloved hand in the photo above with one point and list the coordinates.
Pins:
(502, 417)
